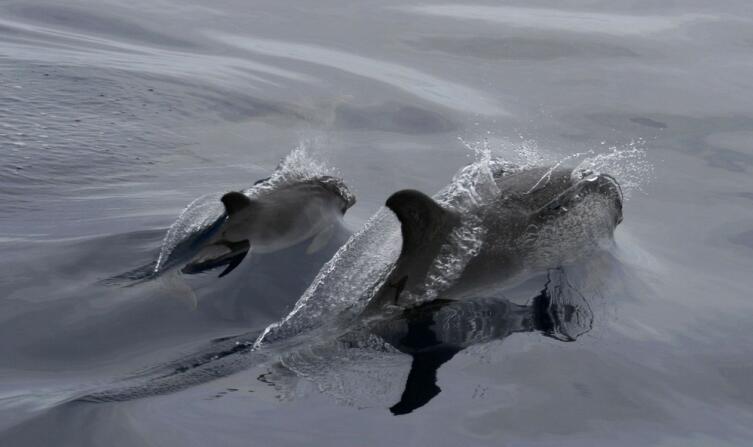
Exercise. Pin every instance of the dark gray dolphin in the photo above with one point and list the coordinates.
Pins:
(270, 221)
(274, 214)
(540, 218)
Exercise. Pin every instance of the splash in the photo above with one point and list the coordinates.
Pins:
(473, 187)
(346, 282)
(627, 163)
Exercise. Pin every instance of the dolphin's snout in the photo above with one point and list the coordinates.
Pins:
(337, 187)
(609, 187)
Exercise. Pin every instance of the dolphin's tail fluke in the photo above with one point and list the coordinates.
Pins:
(132, 277)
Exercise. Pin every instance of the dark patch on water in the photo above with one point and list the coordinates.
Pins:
(744, 195)
(690, 135)
(729, 159)
(392, 117)
(648, 122)
(745, 239)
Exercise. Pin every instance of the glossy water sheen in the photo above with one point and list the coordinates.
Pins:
(115, 115)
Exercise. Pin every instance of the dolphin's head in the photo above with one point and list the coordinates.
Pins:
(605, 185)
(337, 187)
(612, 188)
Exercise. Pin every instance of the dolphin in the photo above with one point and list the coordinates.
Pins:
(540, 218)
(272, 220)
(272, 215)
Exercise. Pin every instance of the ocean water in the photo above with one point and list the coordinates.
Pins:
(116, 115)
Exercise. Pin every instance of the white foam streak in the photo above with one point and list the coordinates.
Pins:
(415, 82)
(65, 48)
(563, 20)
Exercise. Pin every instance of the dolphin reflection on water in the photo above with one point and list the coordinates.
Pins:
(374, 354)
(431, 334)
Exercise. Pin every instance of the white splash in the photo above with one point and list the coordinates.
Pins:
(627, 163)
(346, 282)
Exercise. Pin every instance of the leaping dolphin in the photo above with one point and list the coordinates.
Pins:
(540, 218)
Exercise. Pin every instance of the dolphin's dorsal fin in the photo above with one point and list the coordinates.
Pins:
(421, 218)
(235, 201)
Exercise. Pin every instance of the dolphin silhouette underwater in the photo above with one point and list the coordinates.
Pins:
(540, 218)
(274, 214)
(272, 220)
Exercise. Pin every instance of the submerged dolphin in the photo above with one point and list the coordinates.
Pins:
(540, 218)
(272, 220)
(272, 215)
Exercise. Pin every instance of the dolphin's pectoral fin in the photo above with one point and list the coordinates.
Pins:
(232, 259)
(235, 261)
(421, 218)
(321, 240)
(421, 386)
(235, 201)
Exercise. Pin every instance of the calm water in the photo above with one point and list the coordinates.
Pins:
(115, 115)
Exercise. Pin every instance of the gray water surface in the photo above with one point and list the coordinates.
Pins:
(115, 115)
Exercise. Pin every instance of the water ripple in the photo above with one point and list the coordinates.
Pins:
(415, 82)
